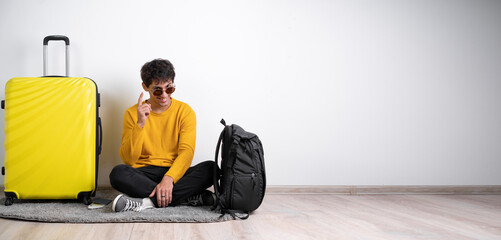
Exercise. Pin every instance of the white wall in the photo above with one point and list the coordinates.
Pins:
(364, 92)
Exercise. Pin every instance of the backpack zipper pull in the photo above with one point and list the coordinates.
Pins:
(253, 175)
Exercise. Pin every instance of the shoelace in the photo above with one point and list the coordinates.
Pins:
(195, 199)
(132, 205)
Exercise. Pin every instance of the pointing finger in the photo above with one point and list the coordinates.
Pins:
(140, 100)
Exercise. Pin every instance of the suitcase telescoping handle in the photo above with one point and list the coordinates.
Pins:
(45, 57)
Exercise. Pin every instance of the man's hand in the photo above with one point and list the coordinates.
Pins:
(143, 111)
(164, 191)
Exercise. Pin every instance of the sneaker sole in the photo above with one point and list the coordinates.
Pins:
(115, 202)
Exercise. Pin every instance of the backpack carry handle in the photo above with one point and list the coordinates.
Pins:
(46, 58)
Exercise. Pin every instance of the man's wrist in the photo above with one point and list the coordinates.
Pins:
(168, 178)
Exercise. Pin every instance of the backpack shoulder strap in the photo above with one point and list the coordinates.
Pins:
(235, 214)
(216, 165)
(218, 146)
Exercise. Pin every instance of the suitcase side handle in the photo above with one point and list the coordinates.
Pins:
(100, 126)
(45, 57)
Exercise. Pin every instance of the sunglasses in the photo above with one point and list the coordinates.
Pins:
(170, 89)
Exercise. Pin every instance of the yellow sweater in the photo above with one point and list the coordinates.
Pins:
(167, 139)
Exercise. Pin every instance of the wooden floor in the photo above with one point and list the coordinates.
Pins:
(308, 216)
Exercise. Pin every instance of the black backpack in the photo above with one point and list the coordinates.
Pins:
(242, 179)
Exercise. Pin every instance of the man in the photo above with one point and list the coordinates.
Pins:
(158, 143)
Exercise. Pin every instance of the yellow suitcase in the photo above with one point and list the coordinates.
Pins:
(53, 136)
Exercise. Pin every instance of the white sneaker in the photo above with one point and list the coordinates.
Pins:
(123, 203)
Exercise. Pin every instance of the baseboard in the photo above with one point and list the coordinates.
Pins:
(385, 189)
(375, 189)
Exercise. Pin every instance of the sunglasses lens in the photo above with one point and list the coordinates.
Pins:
(157, 92)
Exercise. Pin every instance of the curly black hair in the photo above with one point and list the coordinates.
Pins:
(158, 70)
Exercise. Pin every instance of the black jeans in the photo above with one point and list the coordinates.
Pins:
(140, 182)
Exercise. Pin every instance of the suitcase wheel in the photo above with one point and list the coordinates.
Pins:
(9, 201)
(87, 201)
(9, 198)
(85, 197)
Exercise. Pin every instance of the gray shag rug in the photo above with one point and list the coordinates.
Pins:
(72, 211)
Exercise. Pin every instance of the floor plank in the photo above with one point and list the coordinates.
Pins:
(305, 216)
